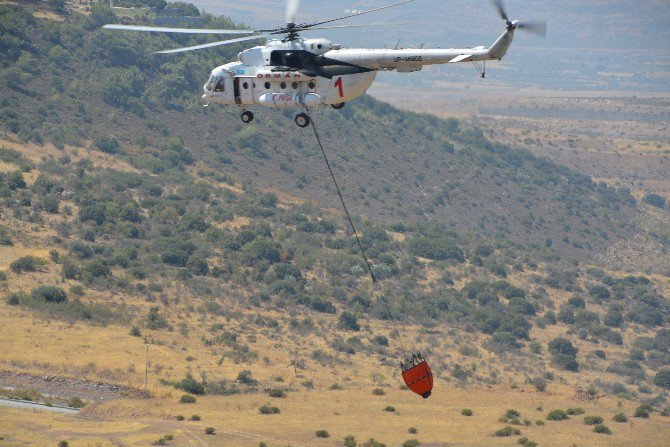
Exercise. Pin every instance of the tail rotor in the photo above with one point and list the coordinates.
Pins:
(538, 27)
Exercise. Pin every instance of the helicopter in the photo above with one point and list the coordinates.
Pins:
(297, 72)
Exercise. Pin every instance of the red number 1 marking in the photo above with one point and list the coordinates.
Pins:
(338, 84)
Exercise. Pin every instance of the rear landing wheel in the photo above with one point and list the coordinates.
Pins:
(247, 117)
(337, 106)
(302, 120)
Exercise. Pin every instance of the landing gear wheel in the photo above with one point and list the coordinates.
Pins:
(302, 120)
(247, 117)
(337, 106)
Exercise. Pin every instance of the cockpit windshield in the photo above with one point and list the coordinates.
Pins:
(215, 83)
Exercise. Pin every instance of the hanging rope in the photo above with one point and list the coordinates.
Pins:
(353, 229)
(344, 205)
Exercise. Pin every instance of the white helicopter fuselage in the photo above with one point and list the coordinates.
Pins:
(329, 74)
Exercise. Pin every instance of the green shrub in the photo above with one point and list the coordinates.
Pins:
(276, 392)
(389, 408)
(575, 411)
(336, 387)
(76, 402)
(411, 443)
(267, 409)
(191, 386)
(187, 399)
(107, 143)
(350, 441)
(641, 412)
(525, 442)
(27, 264)
(511, 414)
(439, 249)
(413, 430)
(620, 417)
(155, 320)
(557, 415)
(195, 417)
(63, 444)
(662, 378)
(348, 321)
(593, 420)
(15, 181)
(14, 299)
(209, 430)
(564, 354)
(135, 332)
(380, 340)
(539, 422)
(507, 431)
(372, 442)
(654, 200)
(602, 429)
(378, 392)
(322, 434)
(466, 412)
(50, 294)
(540, 384)
(96, 269)
(180, 417)
(245, 378)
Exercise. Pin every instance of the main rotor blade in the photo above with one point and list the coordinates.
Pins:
(352, 26)
(539, 27)
(159, 29)
(212, 44)
(292, 7)
(501, 8)
(356, 15)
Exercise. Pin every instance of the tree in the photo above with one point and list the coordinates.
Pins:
(263, 249)
(564, 354)
(600, 293)
(654, 200)
(349, 321)
(662, 378)
(15, 181)
(197, 265)
(439, 249)
(613, 318)
(50, 294)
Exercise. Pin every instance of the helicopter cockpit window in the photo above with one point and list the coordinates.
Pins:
(218, 83)
(211, 82)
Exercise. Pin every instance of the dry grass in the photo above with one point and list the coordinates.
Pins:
(31, 344)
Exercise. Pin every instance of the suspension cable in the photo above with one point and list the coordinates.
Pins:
(353, 229)
(344, 205)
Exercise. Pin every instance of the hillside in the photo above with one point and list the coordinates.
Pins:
(398, 166)
(138, 228)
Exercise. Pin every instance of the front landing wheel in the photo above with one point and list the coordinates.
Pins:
(302, 120)
(247, 117)
(337, 106)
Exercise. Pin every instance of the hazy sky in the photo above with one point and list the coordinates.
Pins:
(572, 23)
